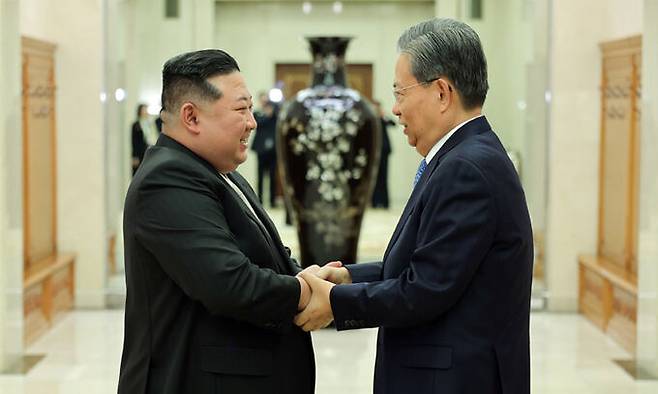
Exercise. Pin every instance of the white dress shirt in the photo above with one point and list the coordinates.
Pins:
(242, 196)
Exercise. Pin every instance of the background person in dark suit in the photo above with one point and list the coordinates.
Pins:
(263, 145)
(143, 135)
(380, 192)
(211, 291)
(452, 294)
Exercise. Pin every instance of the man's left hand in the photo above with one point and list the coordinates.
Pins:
(318, 313)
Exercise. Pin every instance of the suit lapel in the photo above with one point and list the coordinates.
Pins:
(264, 224)
(411, 204)
(475, 126)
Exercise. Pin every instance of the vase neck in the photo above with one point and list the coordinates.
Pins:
(328, 70)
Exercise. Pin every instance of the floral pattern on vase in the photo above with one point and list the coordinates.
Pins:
(328, 142)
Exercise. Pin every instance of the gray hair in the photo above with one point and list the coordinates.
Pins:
(448, 48)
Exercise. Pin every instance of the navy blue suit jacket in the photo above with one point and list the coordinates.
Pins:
(452, 294)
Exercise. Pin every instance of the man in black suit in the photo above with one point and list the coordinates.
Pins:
(380, 192)
(263, 145)
(212, 291)
(452, 293)
(141, 136)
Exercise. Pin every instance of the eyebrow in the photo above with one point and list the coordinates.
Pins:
(246, 100)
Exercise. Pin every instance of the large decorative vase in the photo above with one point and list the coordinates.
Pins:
(328, 141)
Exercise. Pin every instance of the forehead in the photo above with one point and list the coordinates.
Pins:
(403, 70)
(232, 86)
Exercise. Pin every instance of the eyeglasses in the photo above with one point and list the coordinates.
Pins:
(397, 92)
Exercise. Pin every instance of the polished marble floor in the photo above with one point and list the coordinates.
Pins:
(569, 355)
(81, 354)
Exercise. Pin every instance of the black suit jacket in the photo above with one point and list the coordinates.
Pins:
(210, 291)
(452, 294)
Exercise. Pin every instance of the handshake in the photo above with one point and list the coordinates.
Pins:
(314, 304)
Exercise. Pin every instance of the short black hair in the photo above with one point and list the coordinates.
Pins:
(185, 76)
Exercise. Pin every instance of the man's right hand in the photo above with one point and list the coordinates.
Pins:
(304, 294)
(305, 290)
(334, 272)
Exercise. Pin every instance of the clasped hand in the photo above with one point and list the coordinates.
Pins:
(317, 312)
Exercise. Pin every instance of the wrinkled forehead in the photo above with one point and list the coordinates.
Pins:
(403, 75)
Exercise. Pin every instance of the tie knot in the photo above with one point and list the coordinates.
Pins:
(421, 168)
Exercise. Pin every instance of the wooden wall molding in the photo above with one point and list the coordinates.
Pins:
(48, 286)
(608, 280)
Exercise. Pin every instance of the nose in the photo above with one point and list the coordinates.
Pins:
(396, 109)
(251, 121)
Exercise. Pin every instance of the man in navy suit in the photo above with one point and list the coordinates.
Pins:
(451, 297)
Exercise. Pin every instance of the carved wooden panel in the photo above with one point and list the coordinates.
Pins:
(622, 324)
(39, 162)
(592, 302)
(47, 294)
(62, 291)
(608, 281)
(608, 298)
(35, 318)
(48, 283)
(633, 218)
(619, 152)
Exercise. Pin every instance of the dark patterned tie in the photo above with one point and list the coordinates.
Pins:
(419, 173)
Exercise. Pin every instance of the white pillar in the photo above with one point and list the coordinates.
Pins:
(647, 317)
(448, 9)
(203, 24)
(11, 218)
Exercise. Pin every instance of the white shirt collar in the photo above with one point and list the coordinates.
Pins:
(240, 194)
(435, 149)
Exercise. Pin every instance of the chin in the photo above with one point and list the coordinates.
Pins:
(241, 159)
(411, 142)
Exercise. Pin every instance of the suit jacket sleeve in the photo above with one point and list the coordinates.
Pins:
(183, 225)
(456, 230)
(294, 265)
(365, 272)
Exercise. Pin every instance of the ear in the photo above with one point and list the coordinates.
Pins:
(446, 93)
(189, 116)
